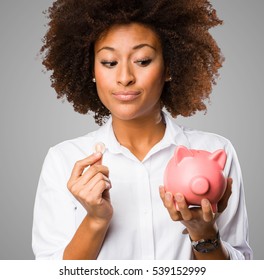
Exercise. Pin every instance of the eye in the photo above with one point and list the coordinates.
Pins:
(144, 62)
(109, 64)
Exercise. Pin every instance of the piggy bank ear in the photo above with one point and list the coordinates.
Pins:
(180, 153)
(220, 157)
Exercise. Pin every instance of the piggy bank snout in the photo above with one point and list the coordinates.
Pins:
(199, 185)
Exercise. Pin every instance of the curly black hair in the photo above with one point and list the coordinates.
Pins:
(190, 52)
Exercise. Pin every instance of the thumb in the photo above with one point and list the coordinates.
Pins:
(100, 160)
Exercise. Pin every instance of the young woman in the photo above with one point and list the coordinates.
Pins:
(133, 62)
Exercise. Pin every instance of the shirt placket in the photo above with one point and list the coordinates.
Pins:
(145, 213)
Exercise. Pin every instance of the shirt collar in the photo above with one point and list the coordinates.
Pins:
(174, 135)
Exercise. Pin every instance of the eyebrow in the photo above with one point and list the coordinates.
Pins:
(137, 47)
(142, 46)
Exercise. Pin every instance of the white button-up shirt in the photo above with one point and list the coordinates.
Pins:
(141, 227)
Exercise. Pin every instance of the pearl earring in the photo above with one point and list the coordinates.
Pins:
(169, 79)
(94, 81)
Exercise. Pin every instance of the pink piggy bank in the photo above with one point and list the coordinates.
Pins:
(197, 174)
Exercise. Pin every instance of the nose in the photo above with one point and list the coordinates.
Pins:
(125, 75)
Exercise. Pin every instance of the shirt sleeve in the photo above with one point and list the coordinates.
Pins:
(54, 210)
(233, 222)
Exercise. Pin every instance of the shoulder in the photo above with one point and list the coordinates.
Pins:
(211, 142)
(82, 143)
(204, 139)
(72, 150)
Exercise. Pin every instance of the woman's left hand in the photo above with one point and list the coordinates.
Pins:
(199, 221)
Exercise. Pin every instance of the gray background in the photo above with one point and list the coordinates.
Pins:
(32, 119)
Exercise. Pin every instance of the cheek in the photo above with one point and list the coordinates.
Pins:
(101, 74)
(104, 81)
(154, 80)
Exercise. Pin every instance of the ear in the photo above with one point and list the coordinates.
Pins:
(180, 153)
(220, 157)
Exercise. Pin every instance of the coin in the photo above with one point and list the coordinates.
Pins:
(99, 147)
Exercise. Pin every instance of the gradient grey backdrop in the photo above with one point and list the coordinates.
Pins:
(32, 119)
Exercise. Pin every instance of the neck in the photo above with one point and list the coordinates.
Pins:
(141, 134)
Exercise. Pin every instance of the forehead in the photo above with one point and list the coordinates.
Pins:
(128, 36)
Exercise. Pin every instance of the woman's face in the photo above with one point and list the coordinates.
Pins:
(129, 71)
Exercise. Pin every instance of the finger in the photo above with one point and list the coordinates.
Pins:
(81, 189)
(99, 161)
(94, 196)
(92, 171)
(96, 179)
(162, 192)
(208, 214)
(82, 164)
(183, 207)
(222, 204)
(169, 203)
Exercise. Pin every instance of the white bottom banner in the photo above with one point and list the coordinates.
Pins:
(127, 270)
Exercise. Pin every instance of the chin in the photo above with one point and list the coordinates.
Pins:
(127, 115)
(129, 112)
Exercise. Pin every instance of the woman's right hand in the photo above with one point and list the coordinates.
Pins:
(91, 187)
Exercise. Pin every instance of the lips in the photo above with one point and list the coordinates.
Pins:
(126, 95)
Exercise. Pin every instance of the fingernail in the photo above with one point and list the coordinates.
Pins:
(178, 197)
(168, 196)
